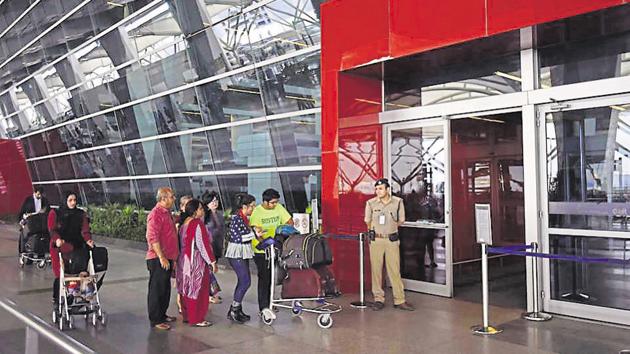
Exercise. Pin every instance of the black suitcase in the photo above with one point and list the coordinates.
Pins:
(37, 244)
(100, 259)
(36, 224)
(306, 251)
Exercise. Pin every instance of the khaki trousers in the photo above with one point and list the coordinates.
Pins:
(379, 248)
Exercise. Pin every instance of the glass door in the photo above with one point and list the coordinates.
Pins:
(586, 204)
(418, 167)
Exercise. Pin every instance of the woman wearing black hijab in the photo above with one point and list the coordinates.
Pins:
(69, 230)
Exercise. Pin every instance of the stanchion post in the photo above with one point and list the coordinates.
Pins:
(536, 314)
(361, 304)
(485, 328)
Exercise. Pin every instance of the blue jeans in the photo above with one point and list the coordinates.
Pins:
(241, 268)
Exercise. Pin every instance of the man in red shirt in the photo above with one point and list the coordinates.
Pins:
(161, 257)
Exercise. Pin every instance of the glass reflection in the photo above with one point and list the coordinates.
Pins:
(584, 48)
(423, 254)
(590, 283)
(243, 146)
(300, 188)
(145, 158)
(231, 99)
(417, 158)
(291, 85)
(479, 68)
(297, 140)
(123, 192)
(588, 168)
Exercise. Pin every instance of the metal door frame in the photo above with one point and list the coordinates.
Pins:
(573, 309)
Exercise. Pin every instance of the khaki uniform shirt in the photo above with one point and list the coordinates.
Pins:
(384, 218)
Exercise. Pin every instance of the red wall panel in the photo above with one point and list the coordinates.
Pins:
(505, 15)
(359, 95)
(420, 25)
(354, 32)
(15, 180)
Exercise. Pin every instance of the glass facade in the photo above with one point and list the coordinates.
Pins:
(121, 98)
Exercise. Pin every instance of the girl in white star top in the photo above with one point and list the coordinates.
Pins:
(239, 252)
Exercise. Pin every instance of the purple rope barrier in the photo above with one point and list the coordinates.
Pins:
(513, 248)
(560, 257)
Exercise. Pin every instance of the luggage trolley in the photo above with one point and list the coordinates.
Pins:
(33, 241)
(321, 307)
(78, 294)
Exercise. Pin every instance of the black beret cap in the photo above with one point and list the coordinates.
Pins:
(382, 181)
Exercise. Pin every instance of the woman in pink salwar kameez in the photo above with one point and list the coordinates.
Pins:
(194, 265)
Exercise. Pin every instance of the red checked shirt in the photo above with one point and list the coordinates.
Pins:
(161, 229)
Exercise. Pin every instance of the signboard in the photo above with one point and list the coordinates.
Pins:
(302, 222)
(483, 223)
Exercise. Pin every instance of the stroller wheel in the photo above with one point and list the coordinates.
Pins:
(21, 261)
(103, 318)
(55, 316)
(94, 317)
(71, 322)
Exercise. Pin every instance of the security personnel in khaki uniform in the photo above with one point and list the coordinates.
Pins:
(383, 215)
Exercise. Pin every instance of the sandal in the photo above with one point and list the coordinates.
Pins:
(203, 324)
(162, 326)
(170, 319)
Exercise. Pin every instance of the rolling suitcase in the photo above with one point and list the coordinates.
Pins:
(302, 283)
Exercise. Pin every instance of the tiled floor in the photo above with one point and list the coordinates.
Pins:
(438, 326)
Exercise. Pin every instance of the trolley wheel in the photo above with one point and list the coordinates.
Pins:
(21, 261)
(41, 264)
(296, 309)
(268, 316)
(324, 321)
(103, 318)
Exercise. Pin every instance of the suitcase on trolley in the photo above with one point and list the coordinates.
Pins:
(306, 251)
(38, 244)
(302, 283)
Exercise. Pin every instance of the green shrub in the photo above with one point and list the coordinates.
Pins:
(127, 222)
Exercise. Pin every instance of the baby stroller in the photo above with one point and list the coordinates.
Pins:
(81, 275)
(305, 288)
(34, 241)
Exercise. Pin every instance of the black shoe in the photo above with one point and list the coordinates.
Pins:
(378, 305)
(236, 315)
(242, 314)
